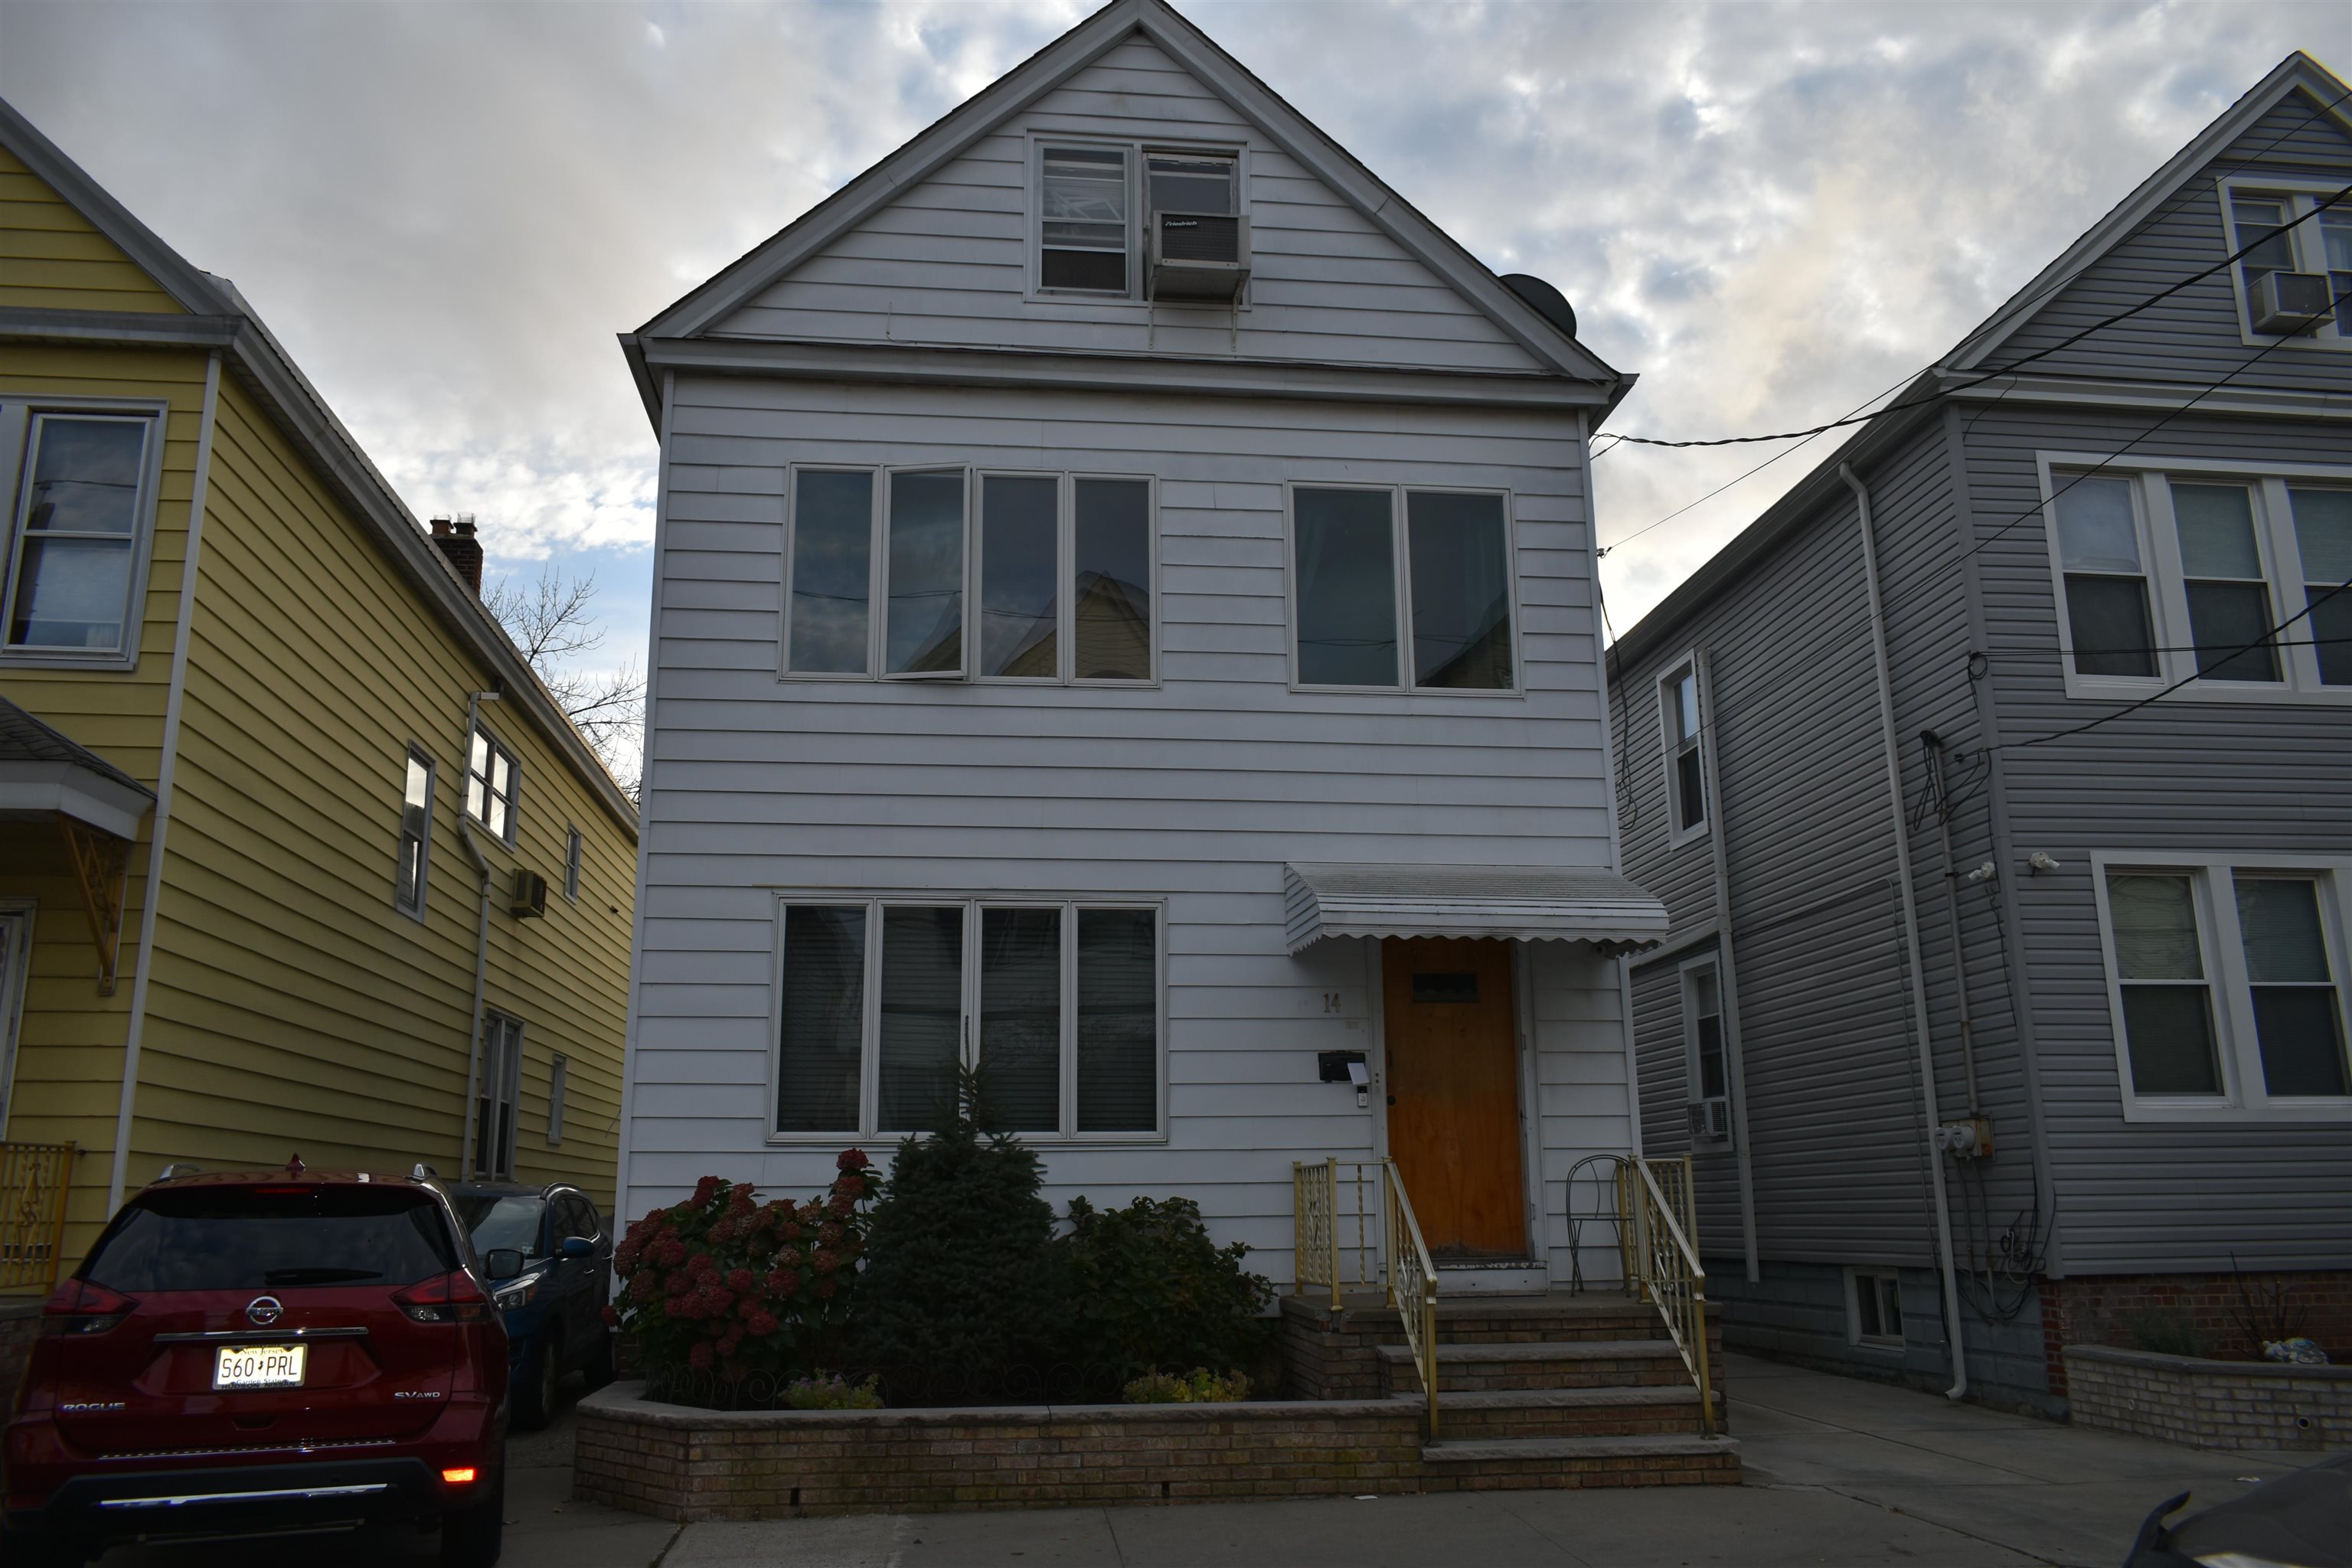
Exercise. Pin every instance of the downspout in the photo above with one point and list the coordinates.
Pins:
(1727, 970)
(481, 933)
(1910, 924)
(127, 1102)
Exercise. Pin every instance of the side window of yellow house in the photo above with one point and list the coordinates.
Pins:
(80, 490)
(571, 848)
(493, 782)
(416, 835)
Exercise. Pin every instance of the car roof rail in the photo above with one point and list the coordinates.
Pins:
(178, 1168)
(424, 1173)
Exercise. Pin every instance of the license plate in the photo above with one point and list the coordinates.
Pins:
(259, 1366)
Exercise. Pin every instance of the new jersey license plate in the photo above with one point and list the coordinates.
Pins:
(259, 1366)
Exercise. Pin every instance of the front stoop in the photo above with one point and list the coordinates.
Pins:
(1536, 1390)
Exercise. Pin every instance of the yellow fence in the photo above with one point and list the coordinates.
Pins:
(1358, 1229)
(1656, 1222)
(34, 1181)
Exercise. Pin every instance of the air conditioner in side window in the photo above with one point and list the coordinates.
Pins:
(2288, 302)
(529, 895)
(1710, 1120)
(1199, 256)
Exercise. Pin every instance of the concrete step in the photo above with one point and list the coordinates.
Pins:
(1513, 1367)
(1609, 1411)
(1492, 1464)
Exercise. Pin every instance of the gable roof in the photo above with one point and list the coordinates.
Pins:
(2297, 73)
(986, 112)
(219, 318)
(1917, 400)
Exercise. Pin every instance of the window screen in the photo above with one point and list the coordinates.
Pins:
(1021, 1018)
(824, 1018)
(1118, 1021)
(922, 1016)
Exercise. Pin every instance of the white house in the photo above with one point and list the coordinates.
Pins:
(1124, 615)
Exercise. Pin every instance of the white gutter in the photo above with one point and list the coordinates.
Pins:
(481, 933)
(127, 1098)
(1910, 926)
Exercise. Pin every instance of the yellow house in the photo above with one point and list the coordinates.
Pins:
(296, 854)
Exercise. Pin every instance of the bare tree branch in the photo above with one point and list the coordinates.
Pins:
(552, 623)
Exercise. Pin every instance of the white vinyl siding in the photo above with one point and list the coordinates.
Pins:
(2221, 579)
(2225, 977)
(81, 485)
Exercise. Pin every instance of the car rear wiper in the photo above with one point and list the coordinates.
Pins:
(320, 1275)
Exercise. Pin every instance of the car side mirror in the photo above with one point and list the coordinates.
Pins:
(502, 1263)
(578, 1247)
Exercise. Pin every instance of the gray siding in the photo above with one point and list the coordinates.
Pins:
(2196, 335)
(2248, 778)
(948, 262)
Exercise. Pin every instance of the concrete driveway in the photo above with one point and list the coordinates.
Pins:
(1838, 1472)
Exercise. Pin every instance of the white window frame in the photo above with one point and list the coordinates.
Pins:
(2244, 1096)
(1138, 201)
(1693, 1081)
(575, 851)
(1670, 750)
(1065, 562)
(1400, 564)
(870, 1039)
(415, 753)
(18, 415)
(2159, 545)
(1854, 1278)
(2301, 196)
(514, 793)
(15, 972)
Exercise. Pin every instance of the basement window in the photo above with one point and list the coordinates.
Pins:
(1875, 1308)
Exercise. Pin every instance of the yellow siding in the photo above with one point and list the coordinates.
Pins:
(68, 1069)
(292, 1009)
(52, 257)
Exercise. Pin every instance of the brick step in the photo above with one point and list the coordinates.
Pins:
(1610, 1412)
(1576, 1363)
(1522, 1319)
(1496, 1464)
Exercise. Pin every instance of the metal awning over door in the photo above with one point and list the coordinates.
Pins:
(45, 776)
(1526, 903)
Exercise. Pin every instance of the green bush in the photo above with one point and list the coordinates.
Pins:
(1199, 1386)
(1148, 1289)
(831, 1391)
(2167, 1330)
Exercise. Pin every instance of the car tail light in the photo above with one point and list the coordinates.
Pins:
(79, 1307)
(447, 1299)
(458, 1476)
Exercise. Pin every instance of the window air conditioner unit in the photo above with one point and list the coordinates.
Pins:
(1710, 1120)
(1199, 256)
(529, 895)
(2288, 302)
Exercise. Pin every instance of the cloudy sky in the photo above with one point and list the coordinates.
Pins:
(1770, 210)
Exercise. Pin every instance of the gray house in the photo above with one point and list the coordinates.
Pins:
(1999, 783)
(1124, 619)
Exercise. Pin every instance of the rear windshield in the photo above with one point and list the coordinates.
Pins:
(501, 1220)
(249, 1238)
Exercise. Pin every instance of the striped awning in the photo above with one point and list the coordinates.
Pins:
(1527, 903)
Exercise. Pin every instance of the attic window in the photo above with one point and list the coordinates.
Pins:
(1083, 239)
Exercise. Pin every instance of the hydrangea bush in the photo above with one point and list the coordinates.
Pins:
(725, 1285)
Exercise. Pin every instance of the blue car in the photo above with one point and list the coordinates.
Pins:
(555, 1308)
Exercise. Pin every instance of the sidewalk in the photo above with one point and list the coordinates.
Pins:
(1838, 1472)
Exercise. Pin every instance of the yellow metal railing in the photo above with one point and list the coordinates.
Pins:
(1364, 1216)
(1657, 1219)
(34, 1181)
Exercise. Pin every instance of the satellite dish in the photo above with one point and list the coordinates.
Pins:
(1548, 301)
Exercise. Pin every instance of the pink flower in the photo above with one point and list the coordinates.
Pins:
(670, 1252)
(739, 1280)
(788, 1282)
(762, 1324)
(610, 1317)
(700, 1358)
(852, 1160)
(826, 1286)
(707, 1189)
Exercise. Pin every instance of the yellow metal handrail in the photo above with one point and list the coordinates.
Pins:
(35, 1179)
(1659, 1217)
(1401, 1267)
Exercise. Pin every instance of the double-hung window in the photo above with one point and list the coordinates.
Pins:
(982, 576)
(81, 511)
(572, 849)
(1708, 1077)
(1083, 214)
(493, 778)
(2282, 228)
(2233, 584)
(1683, 740)
(1398, 587)
(416, 835)
(1054, 1006)
(2226, 980)
(496, 1092)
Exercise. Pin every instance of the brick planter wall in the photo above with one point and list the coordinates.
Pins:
(2210, 1403)
(684, 1464)
(2094, 1309)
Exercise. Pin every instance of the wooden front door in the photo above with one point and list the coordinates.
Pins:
(1453, 1092)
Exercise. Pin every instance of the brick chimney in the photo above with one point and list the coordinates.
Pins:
(457, 542)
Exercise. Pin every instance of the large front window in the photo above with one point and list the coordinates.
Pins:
(1429, 608)
(1054, 1006)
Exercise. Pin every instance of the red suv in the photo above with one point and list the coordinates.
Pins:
(274, 1350)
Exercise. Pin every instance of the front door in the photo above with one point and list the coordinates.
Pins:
(1453, 1092)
